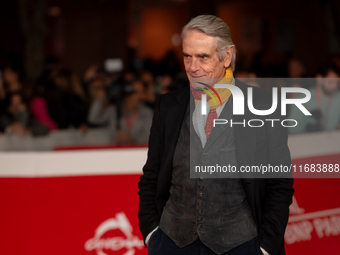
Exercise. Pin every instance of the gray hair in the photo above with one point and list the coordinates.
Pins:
(216, 27)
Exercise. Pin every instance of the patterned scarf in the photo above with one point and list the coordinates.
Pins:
(212, 103)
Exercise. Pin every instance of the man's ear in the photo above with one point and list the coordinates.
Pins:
(228, 56)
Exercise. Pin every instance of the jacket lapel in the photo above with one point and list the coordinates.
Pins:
(193, 135)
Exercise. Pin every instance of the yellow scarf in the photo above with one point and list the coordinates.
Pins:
(223, 93)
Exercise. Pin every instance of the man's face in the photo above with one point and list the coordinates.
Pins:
(200, 56)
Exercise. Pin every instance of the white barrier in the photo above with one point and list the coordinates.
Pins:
(98, 136)
(130, 160)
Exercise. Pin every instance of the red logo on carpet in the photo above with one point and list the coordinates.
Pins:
(114, 234)
(301, 225)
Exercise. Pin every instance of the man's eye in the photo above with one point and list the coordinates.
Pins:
(203, 57)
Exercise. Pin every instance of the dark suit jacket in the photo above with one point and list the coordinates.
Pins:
(268, 199)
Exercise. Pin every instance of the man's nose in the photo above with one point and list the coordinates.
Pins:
(194, 65)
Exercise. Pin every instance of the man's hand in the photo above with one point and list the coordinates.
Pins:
(149, 235)
(263, 251)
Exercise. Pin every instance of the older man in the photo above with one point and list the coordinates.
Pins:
(183, 215)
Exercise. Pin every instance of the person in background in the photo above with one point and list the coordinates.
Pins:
(129, 122)
(12, 81)
(169, 64)
(247, 77)
(38, 104)
(101, 113)
(150, 92)
(39, 109)
(66, 100)
(17, 120)
(163, 84)
(135, 118)
(296, 71)
(324, 104)
(90, 73)
(295, 68)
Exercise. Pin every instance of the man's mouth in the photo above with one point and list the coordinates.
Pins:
(196, 76)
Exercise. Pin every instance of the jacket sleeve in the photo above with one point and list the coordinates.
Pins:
(148, 214)
(278, 191)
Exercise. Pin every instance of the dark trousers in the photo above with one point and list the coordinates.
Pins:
(161, 244)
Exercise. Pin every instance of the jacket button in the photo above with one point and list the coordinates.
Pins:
(201, 178)
(199, 225)
(194, 232)
(200, 194)
(199, 218)
(201, 187)
(199, 211)
(203, 162)
(200, 203)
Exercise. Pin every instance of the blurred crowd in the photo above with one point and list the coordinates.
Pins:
(123, 100)
(324, 104)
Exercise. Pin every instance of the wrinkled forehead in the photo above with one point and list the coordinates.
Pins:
(196, 42)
